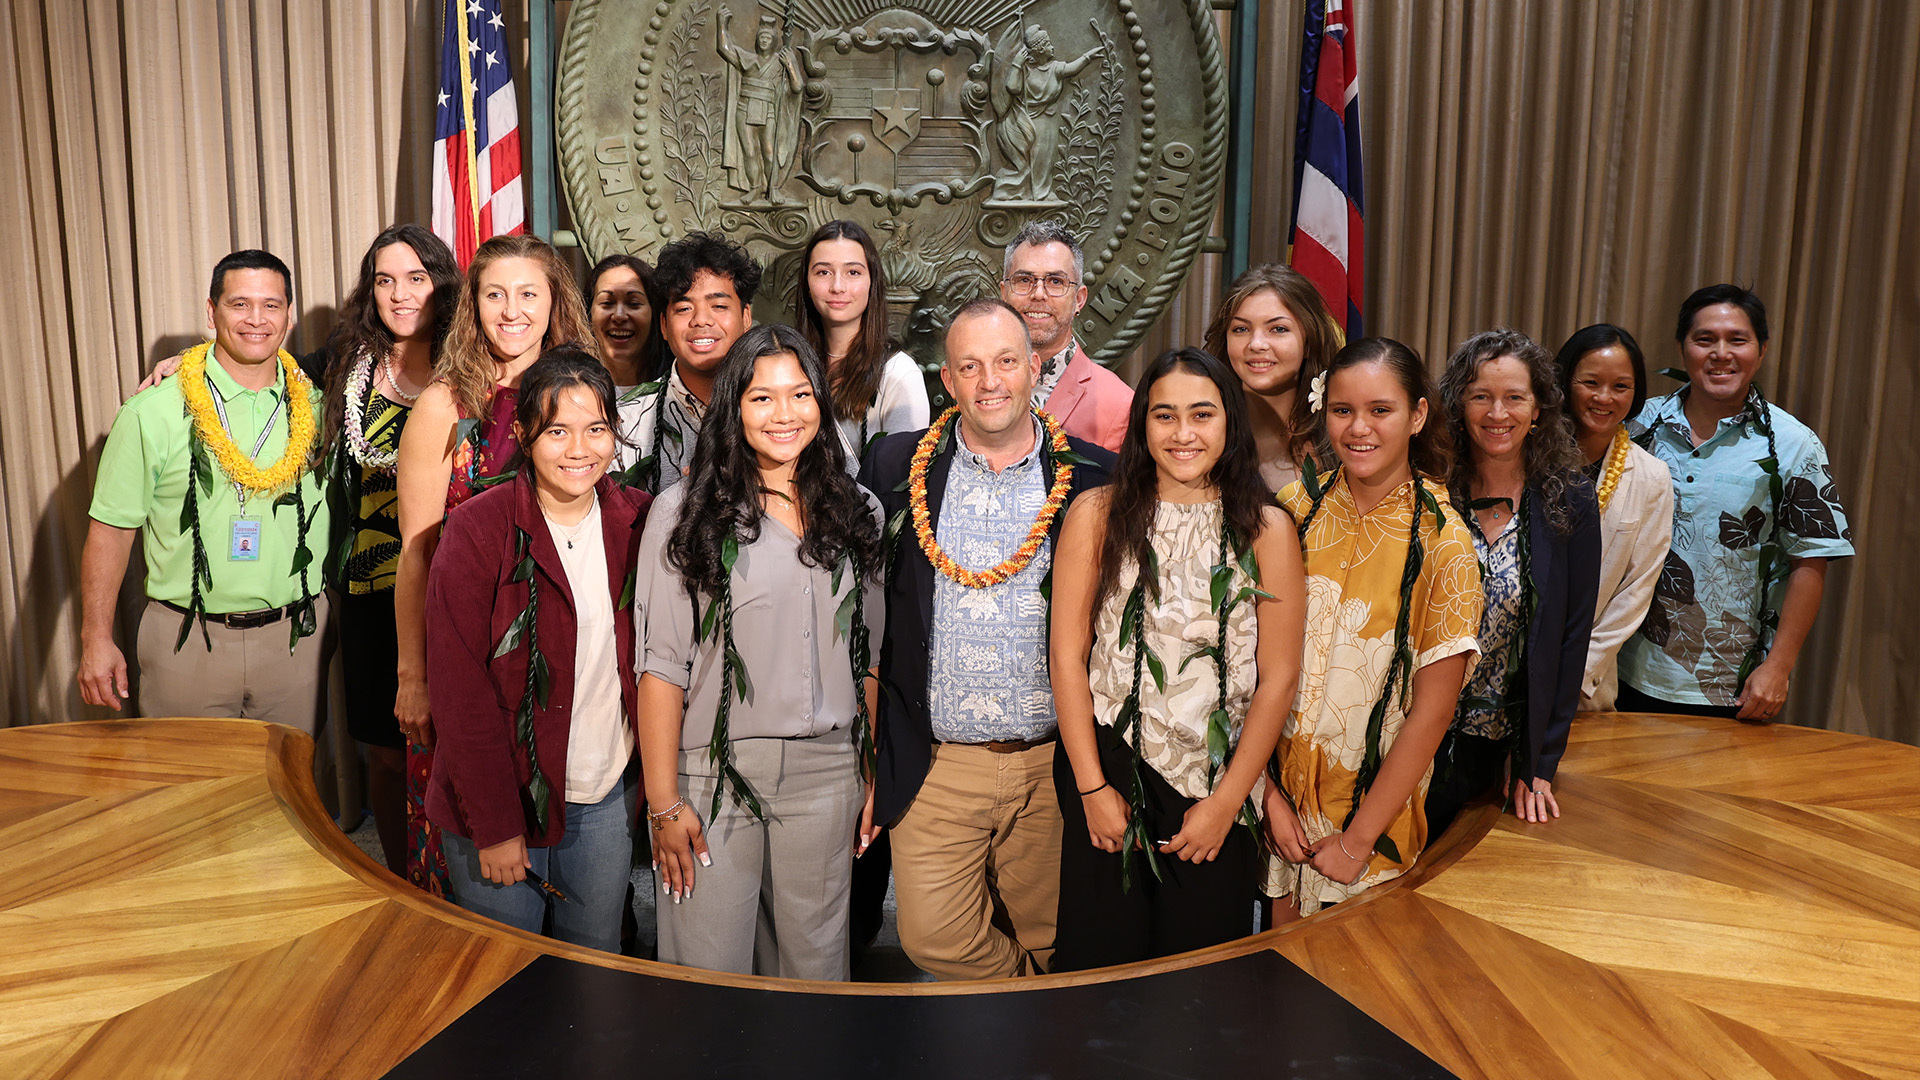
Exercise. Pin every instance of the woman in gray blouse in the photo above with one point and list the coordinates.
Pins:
(755, 732)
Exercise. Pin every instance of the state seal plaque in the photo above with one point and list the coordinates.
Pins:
(941, 125)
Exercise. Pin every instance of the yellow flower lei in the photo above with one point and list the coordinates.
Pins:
(1616, 466)
(923, 520)
(232, 460)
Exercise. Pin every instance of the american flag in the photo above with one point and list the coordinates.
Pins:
(1328, 234)
(476, 131)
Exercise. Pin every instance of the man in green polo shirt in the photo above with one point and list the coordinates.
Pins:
(239, 641)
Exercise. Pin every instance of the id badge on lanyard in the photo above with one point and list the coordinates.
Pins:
(244, 533)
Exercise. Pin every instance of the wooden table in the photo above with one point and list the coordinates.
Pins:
(1719, 901)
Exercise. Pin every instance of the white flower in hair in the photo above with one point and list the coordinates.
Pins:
(1317, 393)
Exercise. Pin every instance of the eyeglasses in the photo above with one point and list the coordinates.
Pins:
(1024, 284)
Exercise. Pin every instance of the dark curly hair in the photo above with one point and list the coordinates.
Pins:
(683, 259)
(1133, 493)
(723, 491)
(359, 329)
(1552, 458)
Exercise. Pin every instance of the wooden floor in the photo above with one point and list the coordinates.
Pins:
(1719, 901)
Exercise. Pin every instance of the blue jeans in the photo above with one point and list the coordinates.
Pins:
(592, 864)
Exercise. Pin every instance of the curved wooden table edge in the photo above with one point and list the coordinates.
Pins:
(290, 768)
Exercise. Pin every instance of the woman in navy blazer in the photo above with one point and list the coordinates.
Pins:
(530, 647)
(1536, 529)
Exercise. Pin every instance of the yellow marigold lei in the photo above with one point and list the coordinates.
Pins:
(1056, 439)
(232, 460)
(1616, 466)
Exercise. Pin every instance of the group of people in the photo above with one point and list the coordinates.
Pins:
(1083, 669)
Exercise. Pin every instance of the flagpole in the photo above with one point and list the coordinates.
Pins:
(473, 132)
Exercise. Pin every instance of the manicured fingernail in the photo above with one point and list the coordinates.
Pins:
(706, 859)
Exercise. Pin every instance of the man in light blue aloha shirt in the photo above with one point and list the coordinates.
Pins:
(1709, 646)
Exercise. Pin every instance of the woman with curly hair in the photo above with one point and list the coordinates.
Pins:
(756, 591)
(1166, 767)
(519, 300)
(1275, 331)
(1536, 531)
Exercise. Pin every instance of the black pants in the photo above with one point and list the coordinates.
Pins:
(1465, 767)
(1191, 906)
(1631, 700)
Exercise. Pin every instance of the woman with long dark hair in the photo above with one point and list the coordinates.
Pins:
(381, 355)
(757, 691)
(622, 302)
(1536, 530)
(1604, 378)
(840, 307)
(1276, 333)
(519, 299)
(533, 691)
(1165, 766)
(1393, 601)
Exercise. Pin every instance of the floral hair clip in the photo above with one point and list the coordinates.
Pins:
(1317, 393)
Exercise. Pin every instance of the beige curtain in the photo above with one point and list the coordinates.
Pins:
(1536, 165)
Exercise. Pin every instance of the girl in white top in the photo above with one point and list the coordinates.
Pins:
(1162, 767)
(840, 307)
(1604, 378)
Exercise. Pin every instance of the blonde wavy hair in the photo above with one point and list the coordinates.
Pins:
(466, 362)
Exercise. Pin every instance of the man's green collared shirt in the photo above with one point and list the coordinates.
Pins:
(142, 484)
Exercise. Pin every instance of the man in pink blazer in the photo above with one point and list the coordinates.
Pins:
(1044, 279)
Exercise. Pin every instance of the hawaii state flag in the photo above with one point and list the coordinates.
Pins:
(476, 131)
(1328, 235)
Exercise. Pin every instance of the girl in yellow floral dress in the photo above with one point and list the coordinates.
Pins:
(1393, 604)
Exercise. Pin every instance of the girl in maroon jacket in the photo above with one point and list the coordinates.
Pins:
(529, 640)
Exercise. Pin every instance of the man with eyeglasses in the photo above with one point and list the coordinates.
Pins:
(1044, 278)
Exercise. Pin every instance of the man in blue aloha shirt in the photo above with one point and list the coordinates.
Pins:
(1755, 519)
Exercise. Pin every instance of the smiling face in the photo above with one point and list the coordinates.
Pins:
(1498, 408)
(1186, 431)
(1049, 318)
(1722, 354)
(572, 452)
(1602, 390)
(990, 371)
(252, 316)
(622, 318)
(701, 326)
(403, 293)
(1264, 344)
(1372, 424)
(838, 281)
(516, 300)
(779, 413)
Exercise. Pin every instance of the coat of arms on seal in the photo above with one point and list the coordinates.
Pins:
(941, 125)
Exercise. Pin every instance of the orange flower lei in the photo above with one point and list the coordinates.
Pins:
(923, 519)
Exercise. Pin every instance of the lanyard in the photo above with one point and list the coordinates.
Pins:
(220, 408)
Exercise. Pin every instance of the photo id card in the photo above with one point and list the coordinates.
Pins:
(243, 539)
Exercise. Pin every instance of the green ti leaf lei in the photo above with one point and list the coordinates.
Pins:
(850, 619)
(718, 620)
(525, 627)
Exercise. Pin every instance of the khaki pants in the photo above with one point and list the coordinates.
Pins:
(976, 864)
(247, 672)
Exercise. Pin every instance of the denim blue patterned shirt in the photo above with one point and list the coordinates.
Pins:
(1482, 709)
(1703, 614)
(988, 677)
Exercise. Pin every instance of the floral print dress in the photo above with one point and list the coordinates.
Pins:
(1354, 564)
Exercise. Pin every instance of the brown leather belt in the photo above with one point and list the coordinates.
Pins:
(1013, 746)
(239, 620)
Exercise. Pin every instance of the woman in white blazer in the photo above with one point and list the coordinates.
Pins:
(1604, 377)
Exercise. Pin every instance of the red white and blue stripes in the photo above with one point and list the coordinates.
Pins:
(476, 134)
(1328, 235)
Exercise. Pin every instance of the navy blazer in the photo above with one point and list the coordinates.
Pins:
(1566, 582)
(906, 720)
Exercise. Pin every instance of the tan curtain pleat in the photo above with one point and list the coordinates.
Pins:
(1541, 166)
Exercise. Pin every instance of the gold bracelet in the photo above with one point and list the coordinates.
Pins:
(671, 813)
